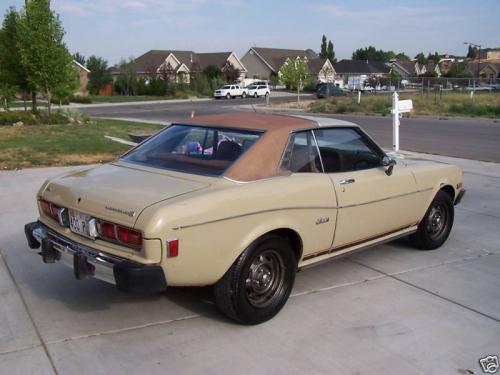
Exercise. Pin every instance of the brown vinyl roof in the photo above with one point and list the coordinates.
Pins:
(262, 159)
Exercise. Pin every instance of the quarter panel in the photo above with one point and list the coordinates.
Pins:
(214, 226)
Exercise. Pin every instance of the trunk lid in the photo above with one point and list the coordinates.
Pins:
(117, 193)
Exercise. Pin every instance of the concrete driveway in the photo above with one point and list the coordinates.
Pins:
(388, 310)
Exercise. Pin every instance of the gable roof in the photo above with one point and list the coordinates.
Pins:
(213, 58)
(80, 66)
(274, 56)
(406, 65)
(195, 62)
(361, 67)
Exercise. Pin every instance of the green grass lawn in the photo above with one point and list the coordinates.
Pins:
(58, 145)
(448, 104)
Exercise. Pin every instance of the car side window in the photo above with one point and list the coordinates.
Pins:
(346, 149)
(301, 154)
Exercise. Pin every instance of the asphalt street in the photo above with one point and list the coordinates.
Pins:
(388, 310)
(477, 139)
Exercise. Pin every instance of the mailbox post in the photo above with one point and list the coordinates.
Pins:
(398, 107)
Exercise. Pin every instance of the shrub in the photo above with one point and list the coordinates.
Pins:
(9, 118)
(55, 118)
(81, 99)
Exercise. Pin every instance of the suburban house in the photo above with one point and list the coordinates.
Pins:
(347, 68)
(83, 74)
(487, 70)
(427, 69)
(320, 69)
(180, 66)
(266, 62)
(405, 68)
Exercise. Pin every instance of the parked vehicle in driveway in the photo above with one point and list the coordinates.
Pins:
(258, 90)
(241, 202)
(230, 91)
(322, 90)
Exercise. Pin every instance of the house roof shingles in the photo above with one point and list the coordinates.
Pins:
(273, 56)
(361, 67)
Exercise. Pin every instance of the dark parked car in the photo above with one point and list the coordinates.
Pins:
(321, 91)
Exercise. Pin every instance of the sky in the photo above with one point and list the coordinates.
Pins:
(116, 29)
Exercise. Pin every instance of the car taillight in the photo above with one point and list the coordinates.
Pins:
(122, 235)
(50, 209)
(107, 231)
(129, 236)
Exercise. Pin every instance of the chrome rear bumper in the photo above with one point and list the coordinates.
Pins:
(88, 262)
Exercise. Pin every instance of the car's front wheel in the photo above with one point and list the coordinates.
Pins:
(255, 95)
(259, 282)
(228, 96)
(435, 227)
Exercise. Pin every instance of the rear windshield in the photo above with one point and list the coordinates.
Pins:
(193, 149)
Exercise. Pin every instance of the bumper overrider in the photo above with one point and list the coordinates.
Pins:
(87, 262)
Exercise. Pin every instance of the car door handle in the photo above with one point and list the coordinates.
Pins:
(346, 181)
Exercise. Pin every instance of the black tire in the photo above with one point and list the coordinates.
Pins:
(228, 96)
(259, 282)
(435, 227)
(244, 95)
(255, 95)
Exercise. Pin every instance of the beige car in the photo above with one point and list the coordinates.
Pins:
(241, 202)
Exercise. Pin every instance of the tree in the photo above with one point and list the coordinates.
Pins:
(434, 57)
(63, 92)
(79, 58)
(330, 53)
(295, 73)
(13, 75)
(402, 56)
(371, 53)
(324, 47)
(421, 59)
(212, 71)
(230, 72)
(126, 82)
(472, 52)
(99, 74)
(458, 70)
(43, 52)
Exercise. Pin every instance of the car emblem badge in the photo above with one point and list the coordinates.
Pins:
(322, 220)
(120, 211)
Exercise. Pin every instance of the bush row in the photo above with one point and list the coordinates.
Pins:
(56, 118)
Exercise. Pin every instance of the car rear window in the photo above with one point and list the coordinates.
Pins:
(193, 149)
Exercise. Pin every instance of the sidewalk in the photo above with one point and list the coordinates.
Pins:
(387, 310)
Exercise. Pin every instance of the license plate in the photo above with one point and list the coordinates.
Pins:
(79, 223)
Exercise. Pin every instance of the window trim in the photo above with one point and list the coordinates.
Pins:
(371, 143)
(258, 132)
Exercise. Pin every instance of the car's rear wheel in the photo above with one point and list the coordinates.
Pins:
(255, 95)
(435, 227)
(244, 95)
(259, 282)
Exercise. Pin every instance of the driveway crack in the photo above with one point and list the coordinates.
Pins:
(395, 277)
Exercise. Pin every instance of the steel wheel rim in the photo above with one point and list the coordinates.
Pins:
(436, 222)
(265, 279)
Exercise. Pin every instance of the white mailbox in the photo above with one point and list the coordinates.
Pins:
(405, 105)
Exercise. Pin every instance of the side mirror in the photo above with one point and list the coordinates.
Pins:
(389, 163)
